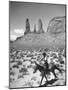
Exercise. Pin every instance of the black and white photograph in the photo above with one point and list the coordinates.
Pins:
(37, 44)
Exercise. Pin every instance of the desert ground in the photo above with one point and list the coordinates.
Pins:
(22, 66)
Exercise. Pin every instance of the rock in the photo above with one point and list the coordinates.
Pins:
(40, 26)
(56, 25)
(27, 26)
(43, 40)
(34, 28)
(32, 40)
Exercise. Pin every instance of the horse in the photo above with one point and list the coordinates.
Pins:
(46, 71)
(43, 71)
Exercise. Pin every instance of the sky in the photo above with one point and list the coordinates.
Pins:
(19, 11)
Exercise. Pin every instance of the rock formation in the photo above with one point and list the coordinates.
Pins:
(56, 25)
(34, 28)
(27, 30)
(40, 26)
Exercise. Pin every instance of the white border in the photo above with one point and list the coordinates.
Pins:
(4, 44)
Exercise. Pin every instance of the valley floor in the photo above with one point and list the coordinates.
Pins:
(23, 65)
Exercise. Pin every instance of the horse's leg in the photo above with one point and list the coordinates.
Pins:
(52, 70)
(54, 73)
(58, 69)
(46, 78)
(41, 79)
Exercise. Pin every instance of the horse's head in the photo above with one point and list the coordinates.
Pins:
(35, 69)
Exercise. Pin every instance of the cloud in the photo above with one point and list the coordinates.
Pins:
(16, 33)
(13, 37)
(19, 31)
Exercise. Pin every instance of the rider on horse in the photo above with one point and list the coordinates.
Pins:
(46, 65)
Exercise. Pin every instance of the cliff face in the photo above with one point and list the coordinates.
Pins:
(27, 27)
(40, 26)
(34, 29)
(56, 25)
(43, 40)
